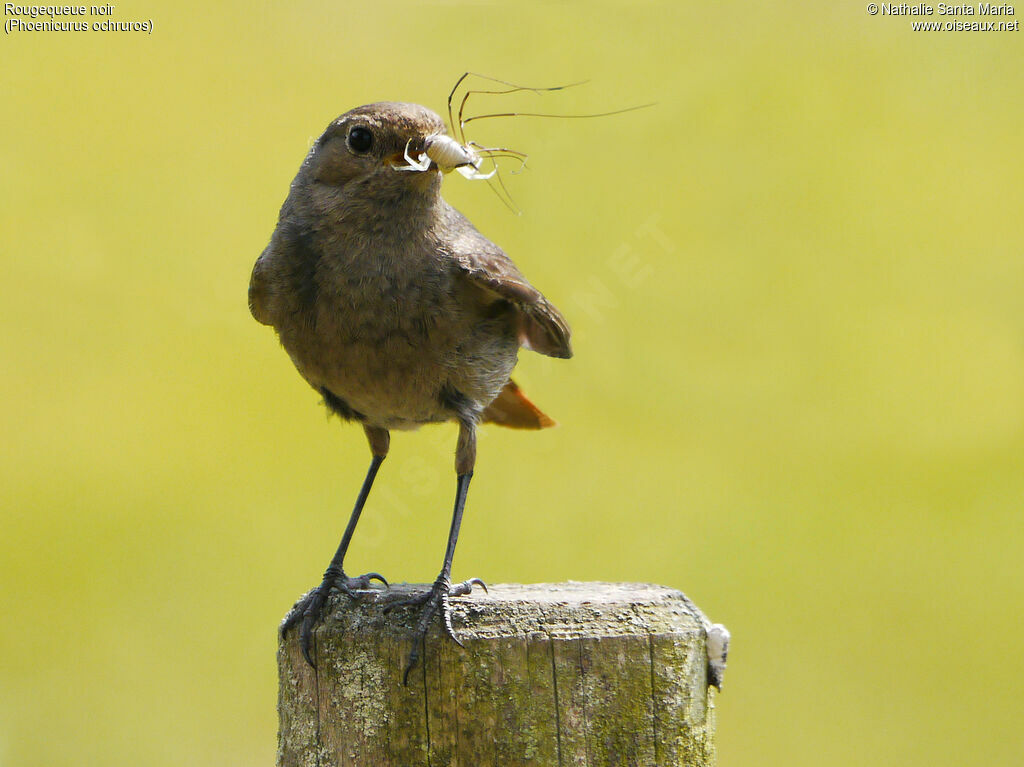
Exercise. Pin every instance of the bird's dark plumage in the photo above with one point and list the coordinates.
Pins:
(395, 308)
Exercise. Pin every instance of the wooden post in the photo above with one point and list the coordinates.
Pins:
(594, 674)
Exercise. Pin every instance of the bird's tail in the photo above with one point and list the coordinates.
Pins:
(512, 408)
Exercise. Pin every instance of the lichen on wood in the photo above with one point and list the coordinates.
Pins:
(551, 675)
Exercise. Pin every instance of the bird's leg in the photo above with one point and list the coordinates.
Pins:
(437, 599)
(310, 606)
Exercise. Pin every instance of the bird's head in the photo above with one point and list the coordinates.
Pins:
(363, 152)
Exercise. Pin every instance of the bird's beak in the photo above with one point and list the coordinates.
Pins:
(401, 162)
(413, 157)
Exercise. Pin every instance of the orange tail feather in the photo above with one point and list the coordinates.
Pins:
(512, 408)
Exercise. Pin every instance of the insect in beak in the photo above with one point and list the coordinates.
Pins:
(406, 161)
(442, 152)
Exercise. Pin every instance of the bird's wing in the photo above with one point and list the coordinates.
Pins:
(542, 327)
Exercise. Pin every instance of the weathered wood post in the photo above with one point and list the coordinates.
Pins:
(564, 674)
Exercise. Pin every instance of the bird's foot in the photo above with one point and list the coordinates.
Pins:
(310, 606)
(434, 601)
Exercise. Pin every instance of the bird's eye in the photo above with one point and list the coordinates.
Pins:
(360, 140)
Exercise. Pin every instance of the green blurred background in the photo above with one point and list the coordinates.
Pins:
(798, 390)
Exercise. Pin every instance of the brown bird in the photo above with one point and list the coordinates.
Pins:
(398, 311)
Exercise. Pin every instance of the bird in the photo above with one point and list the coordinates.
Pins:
(399, 313)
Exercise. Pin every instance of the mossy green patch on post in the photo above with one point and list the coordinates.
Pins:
(551, 674)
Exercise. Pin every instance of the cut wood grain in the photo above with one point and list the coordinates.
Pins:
(594, 674)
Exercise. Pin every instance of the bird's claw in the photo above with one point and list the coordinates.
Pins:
(436, 599)
(362, 583)
(310, 606)
(466, 587)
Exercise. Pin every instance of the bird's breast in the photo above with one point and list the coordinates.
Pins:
(383, 300)
(388, 331)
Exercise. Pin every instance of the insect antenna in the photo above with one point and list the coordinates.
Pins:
(504, 195)
(458, 126)
(459, 131)
(567, 117)
(497, 184)
(490, 152)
